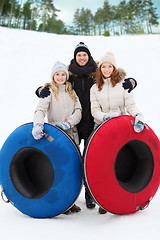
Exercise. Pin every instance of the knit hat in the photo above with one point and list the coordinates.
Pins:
(108, 57)
(81, 47)
(59, 66)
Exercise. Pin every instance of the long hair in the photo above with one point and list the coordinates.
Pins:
(55, 88)
(100, 78)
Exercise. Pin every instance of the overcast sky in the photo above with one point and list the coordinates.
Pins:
(68, 7)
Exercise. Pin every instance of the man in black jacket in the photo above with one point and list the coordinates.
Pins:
(82, 71)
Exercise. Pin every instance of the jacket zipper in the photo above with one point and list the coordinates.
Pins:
(83, 84)
(108, 95)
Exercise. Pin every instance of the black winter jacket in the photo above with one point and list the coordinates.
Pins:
(82, 79)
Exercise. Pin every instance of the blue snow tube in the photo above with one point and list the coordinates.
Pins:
(40, 178)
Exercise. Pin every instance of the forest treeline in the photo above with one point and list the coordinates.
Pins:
(128, 17)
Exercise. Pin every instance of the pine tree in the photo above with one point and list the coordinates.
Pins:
(1, 6)
(131, 23)
(113, 18)
(48, 7)
(76, 21)
(151, 17)
(139, 15)
(26, 14)
(87, 21)
(34, 13)
(55, 26)
(106, 15)
(121, 15)
(19, 13)
(98, 19)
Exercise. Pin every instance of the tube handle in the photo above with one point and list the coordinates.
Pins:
(142, 207)
(132, 122)
(4, 198)
(48, 137)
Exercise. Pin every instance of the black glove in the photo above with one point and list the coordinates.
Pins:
(45, 92)
(130, 84)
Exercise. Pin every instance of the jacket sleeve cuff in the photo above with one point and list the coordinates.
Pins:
(37, 92)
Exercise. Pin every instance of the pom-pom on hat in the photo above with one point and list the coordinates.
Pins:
(59, 66)
(108, 57)
(81, 47)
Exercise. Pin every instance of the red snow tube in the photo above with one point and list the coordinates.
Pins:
(122, 167)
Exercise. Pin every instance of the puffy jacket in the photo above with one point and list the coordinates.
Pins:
(82, 85)
(82, 79)
(59, 111)
(112, 99)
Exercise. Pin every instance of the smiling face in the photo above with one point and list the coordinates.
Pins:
(60, 77)
(107, 69)
(82, 58)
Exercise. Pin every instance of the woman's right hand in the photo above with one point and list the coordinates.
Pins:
(108, 116)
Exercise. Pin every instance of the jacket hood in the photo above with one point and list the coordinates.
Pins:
(122, 74)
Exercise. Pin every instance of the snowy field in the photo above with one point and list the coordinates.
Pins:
(26, 59)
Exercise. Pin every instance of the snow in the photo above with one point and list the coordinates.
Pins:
(26, 58)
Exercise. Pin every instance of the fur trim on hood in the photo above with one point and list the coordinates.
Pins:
(122, 74)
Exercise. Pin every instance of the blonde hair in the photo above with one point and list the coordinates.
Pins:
(55, 88)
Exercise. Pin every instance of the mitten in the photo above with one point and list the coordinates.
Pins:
(138, 127)
(37, 131)
(108, 116)
(139, 123)
(63, 125)
(45, 92)
(129, 83)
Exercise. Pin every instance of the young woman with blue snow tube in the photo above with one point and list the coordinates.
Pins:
(62, 107)
(108, 97)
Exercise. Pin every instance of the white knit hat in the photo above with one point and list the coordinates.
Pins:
(108, 57)
(59, 66)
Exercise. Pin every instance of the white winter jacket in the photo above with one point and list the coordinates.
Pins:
(112, 99)
(59, 111)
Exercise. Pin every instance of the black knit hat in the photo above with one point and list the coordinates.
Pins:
(81, 47)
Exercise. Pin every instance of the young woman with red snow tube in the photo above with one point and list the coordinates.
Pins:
(108, 97)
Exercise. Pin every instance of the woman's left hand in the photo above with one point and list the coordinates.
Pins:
(64, 125)
(139, 123)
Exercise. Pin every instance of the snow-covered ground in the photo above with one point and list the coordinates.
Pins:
(26, 59)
